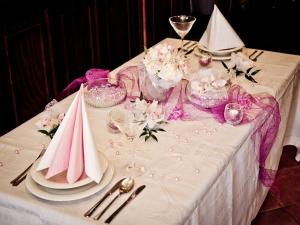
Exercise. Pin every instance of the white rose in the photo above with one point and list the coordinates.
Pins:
(154, 114)
(241, 61)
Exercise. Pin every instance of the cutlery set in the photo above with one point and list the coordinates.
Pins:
(189, 47)
(251, 56)
(124, 185)
(22, 176)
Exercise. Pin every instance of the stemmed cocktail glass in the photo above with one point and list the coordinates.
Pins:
(182, 24)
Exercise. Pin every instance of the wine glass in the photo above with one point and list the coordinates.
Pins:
(120, 120)
(182, 24)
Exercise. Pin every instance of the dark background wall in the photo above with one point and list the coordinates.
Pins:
(45, 44)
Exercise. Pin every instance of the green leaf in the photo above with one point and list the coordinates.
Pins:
(155, 131)
(141, 96)
(144, 133)
(44, 132)
(255, 72)
(146, 138)
(160, 129)
(154, 137)
(250, 78)
(248, 70)
(53, 130)
(162, 122)
(238, 72)
(225, 66)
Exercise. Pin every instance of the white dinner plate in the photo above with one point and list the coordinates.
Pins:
(225, 52)
(69, 194)
(59, 181)
(197, 52)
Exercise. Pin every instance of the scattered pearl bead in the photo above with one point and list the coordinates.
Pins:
(117, 153)
(196, 132)
(177, 179)
(171, 149)
(197, 171)
(151, 175)
(17, 151)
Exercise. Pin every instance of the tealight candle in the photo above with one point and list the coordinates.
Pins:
(205, 59)
(233, 113)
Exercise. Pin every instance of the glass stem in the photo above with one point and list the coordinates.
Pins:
(181, 45)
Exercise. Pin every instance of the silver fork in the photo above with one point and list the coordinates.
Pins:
(185, 44)
(256, 57)
(189, 46)
(252, 54)
(22, 176)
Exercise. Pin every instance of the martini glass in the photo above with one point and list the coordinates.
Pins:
(182, 24)
(120, 120)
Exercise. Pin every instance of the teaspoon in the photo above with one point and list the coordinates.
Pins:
(125, 186)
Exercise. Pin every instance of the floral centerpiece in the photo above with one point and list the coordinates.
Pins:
(138, 118)
(240, 64)
(162, 69)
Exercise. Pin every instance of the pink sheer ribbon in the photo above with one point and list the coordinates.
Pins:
(261, 109)
(89, 76)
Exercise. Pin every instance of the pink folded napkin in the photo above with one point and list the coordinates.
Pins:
(72, 148)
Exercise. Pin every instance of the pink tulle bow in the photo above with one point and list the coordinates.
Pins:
(89, 77)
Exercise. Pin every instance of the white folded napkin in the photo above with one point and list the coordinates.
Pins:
(219, 34)
(72, 147)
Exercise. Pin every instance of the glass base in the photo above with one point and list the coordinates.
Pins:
(134, 170)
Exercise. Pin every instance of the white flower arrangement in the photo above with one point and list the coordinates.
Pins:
(149, 115)
(139, 116)
(241, 64)
(164, 65)
(50, 120)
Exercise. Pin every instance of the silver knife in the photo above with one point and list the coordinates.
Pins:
(112, 190)
(131, 197)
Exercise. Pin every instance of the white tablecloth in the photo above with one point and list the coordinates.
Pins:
(200, 172)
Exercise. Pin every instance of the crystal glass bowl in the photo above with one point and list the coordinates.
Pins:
(209, 98)
(105, 92)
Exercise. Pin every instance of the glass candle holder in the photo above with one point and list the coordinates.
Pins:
(233, 113)
(205, 58)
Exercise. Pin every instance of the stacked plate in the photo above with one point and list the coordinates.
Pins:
(58, 189)
(217, 55)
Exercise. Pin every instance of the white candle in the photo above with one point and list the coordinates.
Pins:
(234, 113)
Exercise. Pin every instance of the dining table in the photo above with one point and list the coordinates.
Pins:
(199, 172)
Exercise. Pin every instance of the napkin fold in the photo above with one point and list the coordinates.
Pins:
(72, 147)
(219, 35)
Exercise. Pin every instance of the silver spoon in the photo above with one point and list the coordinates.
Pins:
(125, 186)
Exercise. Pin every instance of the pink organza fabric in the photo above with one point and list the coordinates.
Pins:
(260, 109)
(89, 76)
